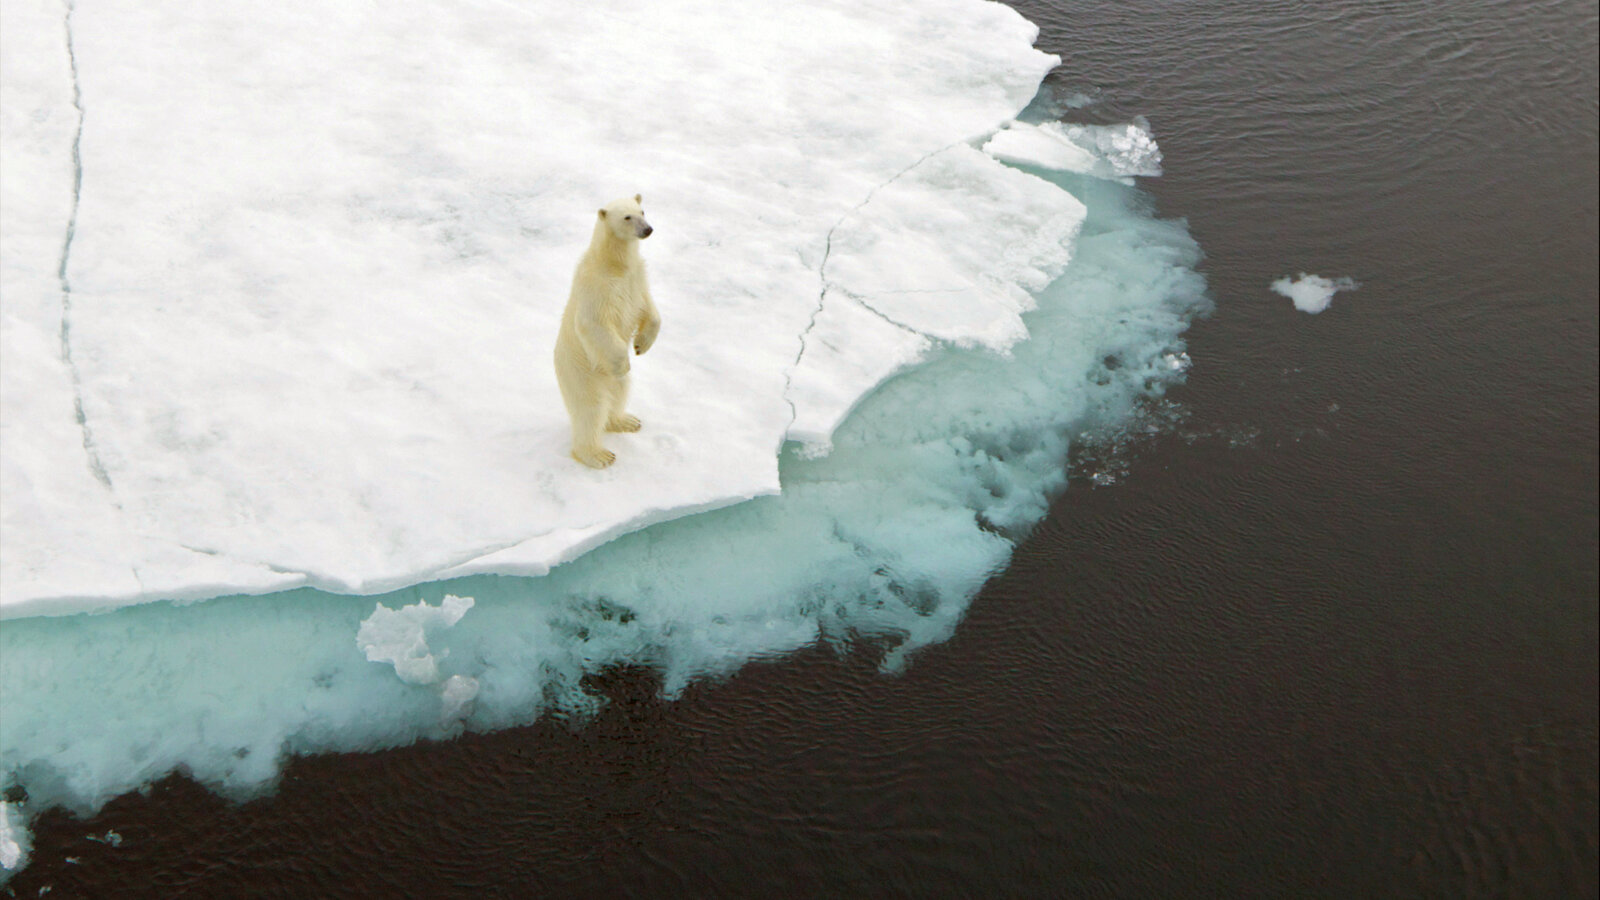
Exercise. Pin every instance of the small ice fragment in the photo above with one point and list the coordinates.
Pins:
(1312, 293)
(1129, 148)
(13, 837)
(457, 692)
(400, 636)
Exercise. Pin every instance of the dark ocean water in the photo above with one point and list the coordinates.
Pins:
(1331, 632)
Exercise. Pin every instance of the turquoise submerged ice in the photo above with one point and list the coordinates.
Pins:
(888, 537)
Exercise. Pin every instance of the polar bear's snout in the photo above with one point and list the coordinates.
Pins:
(642, 228)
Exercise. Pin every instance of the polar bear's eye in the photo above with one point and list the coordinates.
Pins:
(627, 218)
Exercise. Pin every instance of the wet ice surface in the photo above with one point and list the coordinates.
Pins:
(336, 375)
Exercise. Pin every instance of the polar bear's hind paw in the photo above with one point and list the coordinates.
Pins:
(624, 422)
(597, 458)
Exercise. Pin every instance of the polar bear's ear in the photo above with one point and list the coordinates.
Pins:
(602, 212)
(637, 198)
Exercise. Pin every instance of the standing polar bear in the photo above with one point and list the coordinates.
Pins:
(609, 309)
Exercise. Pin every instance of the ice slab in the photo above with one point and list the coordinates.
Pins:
(1104, 151)
(290, 321)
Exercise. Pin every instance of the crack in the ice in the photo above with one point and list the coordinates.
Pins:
(822, 274)
(96, 467)
(888, 318)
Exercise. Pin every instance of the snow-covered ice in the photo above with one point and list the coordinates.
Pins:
(280, 287)
(1312, 293)
(894, 281)
(319, 252)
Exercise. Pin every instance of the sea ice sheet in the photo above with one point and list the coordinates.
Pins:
(300, 332)
(305, 300)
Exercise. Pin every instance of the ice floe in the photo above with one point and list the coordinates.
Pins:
(291, 334)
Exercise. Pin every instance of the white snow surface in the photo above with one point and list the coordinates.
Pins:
(1312, 293)
(281, 282)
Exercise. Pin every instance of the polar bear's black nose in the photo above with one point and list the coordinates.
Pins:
(646, 232)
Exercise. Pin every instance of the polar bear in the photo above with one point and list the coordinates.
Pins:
(609, 309)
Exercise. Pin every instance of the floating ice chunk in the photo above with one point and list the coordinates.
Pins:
(400, 636)
(14, 838)
(1129, 148)
(1312, 293)
(1105, 151)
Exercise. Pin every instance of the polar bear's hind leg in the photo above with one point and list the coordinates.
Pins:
(586, 447)
(617, 416)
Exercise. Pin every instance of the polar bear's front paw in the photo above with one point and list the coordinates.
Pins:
(624, 422)
(598, 458)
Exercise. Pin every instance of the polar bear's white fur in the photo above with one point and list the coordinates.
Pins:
(609, 310)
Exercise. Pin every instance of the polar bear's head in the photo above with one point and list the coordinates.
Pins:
(625, 218)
